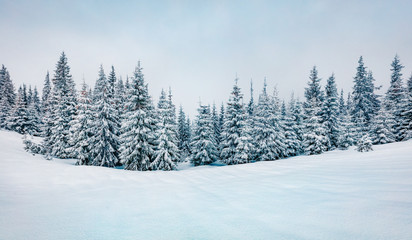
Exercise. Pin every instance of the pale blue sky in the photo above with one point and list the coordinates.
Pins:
(197, 47)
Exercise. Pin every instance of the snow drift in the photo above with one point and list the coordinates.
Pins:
(336, 195)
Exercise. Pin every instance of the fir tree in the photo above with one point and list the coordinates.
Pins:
(111, 82)
(221, 120)
(268, 135)
(297, 117)
(234, 148)
(81, 129)
(313, 93)
(188, 130)
(381, 129)
(342, 106)
(167, 153)
(34, 113)
(204, 150)
(365, 103)
(46, 112)
(120, 96)
(46, 93)
(251, 105)
(395, 98)
(138, 143)
(330, 113)
(183, 133)
(364, 144)
(406, 112)
(105, 129)
(7, 96)
(293, 145)
(18, 121)
(217, 131)
(347, 132)
(171, 109)
(315, 140)
(63, 110)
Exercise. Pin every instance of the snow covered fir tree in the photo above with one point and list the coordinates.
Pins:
(116, 123)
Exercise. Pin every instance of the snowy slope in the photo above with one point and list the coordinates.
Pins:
(337, 195)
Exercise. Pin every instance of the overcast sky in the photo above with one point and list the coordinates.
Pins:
(198, 47)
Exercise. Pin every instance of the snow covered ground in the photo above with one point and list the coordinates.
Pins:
(337, 195)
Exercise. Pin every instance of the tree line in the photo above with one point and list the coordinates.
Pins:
(117, 124)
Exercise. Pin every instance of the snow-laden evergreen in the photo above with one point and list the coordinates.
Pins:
(381, 127)
(330, 113)
(251, 106)
(315, 140)
(81, 134)
(18, 121)
(183, 127)
(63, 110)
(297, 122)
(7, 96)
(364, 144)
(105, 127)
(395, 98)
(406, 112)
(365, 102)
(46, 102)
(217, 131)
(46, 93)
(347, 132)
(268, 135)
(236, 141)
(34, 112)
(167, 153)
(342, 105)
(138, 138)
(120, 96)
(293, 144)
(203, 147)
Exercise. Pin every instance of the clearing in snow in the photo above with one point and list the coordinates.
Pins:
(336, 195)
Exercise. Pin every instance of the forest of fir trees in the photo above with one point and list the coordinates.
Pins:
(117, 124)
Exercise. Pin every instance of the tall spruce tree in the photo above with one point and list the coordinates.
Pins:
(138, 138)
(203, 146)
(18, 121)
(365, 102)
(46, 93)
(330, 113)
(63, 110)
(183, 134)
(293, 145)
(105, 128)
(120, 96)
(395, 98)
(236, 144)
(167, 153)
(81, 135)
(342, 106)
(7, 96)
(406, 112)
(315, 140)
(297, 117)
(381, 128)
(217, 131)
(267, 133)
(251, 105)
(34, 113)
(47, 100)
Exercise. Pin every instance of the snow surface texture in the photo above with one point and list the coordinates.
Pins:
(336, 195)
